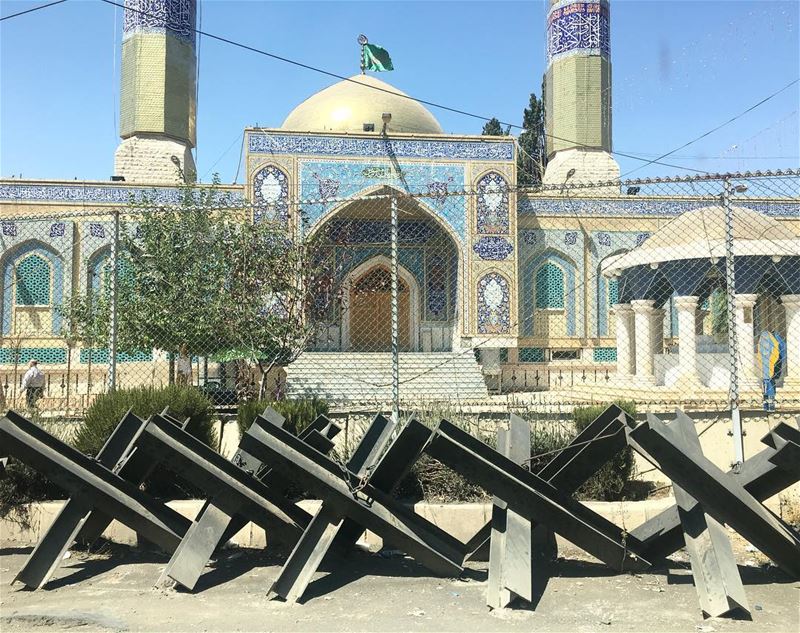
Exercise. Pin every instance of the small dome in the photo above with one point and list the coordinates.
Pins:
(700, 234)
(346, 106)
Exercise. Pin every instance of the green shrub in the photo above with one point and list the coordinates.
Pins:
(108, 409)
(298, 413)
(612, 480)
(183, 402)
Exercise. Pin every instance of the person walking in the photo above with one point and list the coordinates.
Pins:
(33, 383)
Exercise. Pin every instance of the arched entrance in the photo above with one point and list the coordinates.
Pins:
(356, 242)
(367, 308)
(371, 312)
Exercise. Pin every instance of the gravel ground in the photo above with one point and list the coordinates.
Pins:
(112, 591)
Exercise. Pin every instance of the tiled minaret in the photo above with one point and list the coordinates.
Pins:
(158, 92)
(577, 93)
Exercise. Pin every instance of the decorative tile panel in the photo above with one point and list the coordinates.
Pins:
(493, 248)
(272, 143)
(641, 238)
(9, 228)
(493, 304)
(605, 354)
(570, 238)
(437, 277)
(376, 232)
(102, 194)
(57, 229)
(640, 206)
(270, 194)
(176, 17)
(531, 355)
(492, 204)
(575, 28)
(348, 179)
(45, 356)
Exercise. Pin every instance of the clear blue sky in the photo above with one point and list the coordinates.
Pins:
(680, 68)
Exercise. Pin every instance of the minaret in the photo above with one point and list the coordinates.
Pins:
(158, 92)
(577, 93)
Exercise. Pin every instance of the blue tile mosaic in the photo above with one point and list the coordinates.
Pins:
(45, 355)
(528, 237)
(571, 238)
(111, 194)
(604, 354)
(492, 204)
(351, 178)
(270, 194)
(640, 205)
(57, 229)
(493, 304)
(9, 228)
(176, 17)
(376, 232)
(493, 248)
(275, 143)
(578, 28)
(531, 355)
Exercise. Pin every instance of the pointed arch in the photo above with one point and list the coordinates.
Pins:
(9, 264)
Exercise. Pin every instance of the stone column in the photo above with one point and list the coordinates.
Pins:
(745, 342)
(643, 335)
(625, 343)
(688, 370)
(791, 303)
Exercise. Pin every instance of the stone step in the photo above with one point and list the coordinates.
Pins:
(366, 377)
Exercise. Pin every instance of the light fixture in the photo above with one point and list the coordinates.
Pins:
(740, 188)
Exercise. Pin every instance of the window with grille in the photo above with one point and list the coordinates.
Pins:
(33, 281)
(549, 287)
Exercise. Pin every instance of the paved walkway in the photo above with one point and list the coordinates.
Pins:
(370, 593)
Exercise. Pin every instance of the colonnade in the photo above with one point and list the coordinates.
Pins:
(640, 326)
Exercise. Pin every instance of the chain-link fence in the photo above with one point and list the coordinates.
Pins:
(668, 292)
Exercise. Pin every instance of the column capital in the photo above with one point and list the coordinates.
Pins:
(621, 307)
(790, 301)
(745, 300)
(643, 306)
(686, 302)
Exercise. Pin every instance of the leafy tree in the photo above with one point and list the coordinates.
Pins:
(532, 157)
(492, 128)
(194, 280)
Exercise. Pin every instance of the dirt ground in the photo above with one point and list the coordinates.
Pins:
(112, 590)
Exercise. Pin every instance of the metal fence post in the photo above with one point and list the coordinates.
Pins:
(395, 320)
(730, 286)
(112, 337)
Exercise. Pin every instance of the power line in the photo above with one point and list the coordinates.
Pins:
(39, 8)
(432, 104)
(731, 120)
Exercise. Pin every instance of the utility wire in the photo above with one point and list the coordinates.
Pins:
(702, 136)
(432, 104)
(39, 8)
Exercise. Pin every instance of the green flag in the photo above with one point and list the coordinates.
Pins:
(376, 58)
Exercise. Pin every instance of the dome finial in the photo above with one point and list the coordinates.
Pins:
(363, 41)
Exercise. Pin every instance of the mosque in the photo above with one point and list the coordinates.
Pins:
(564, 281)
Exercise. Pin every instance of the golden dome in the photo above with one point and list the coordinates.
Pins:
(348, 105)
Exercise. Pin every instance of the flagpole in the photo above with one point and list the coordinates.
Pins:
(362, 40)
